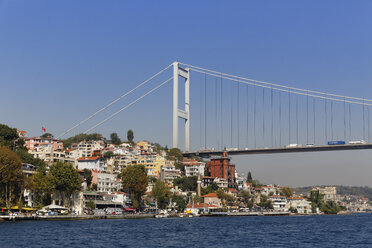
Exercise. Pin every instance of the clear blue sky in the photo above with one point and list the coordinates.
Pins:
(61, 61)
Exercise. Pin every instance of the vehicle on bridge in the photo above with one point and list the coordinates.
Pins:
(333, 143)
(293, 145)
(357, 142)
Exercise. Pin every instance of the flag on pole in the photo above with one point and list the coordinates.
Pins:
(42, 128)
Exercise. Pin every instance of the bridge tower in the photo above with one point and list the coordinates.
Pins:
(184, 114)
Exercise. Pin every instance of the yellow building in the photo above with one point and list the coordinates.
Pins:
(152, 162)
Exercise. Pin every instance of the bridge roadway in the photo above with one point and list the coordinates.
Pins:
(208, 153)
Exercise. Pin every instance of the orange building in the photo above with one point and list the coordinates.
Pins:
(222, 168)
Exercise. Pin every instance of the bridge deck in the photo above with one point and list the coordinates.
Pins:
(280, 150)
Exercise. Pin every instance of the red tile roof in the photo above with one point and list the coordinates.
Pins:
(201, 205)
(210, 195)
(88, 158)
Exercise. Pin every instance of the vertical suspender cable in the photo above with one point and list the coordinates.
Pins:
(237, 114)
(280, 119)
(201, 112)
(332, 120)
(349, 121)
(254, 117)
(289, 116)
(216, 115)
(368, 122)
(307, 117)
(297, 120)
(205, 111)
(222, 145)
(272, 118)
(326, 120)
(246, 142)
(263, 116)
(231, 118)
(344, 120)
(314, 118)
(364, 122)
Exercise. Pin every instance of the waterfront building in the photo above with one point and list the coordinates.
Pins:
(329, 192)
(169, 173)
(92, 163)
(270, 189)
(106, 182)
(279, 202)
(199, 208)
(222, 168)
(38, 143)
(302, 205)
(193, 167)
(212, 199)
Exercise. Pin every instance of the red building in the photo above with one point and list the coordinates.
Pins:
(222, 168)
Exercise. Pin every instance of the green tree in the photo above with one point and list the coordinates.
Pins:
(91, 205)
(249, 177)
(9, 137)
(287, 191)
(10, 176)
(64, 179)
(227, 199)
(180, 202)
(330, 207)
(187, 183)
(115, 139)
(134, 180)
(245, 197)
(42, 187)
(81, 137)
(28, 158)
(130, 135)
(108, 154)
(47, 135)
(88, 176)
(161, 193)
(265, 203)
(175, 154)
(179, 166)
(213, 187)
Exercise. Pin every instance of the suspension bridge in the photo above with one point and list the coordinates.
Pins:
(246, 116)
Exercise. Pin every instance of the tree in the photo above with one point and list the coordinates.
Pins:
(47, 135)
(175, 154)
(180, 202)
(135, 181)
(245, 196)
(28, 158)
(88, 177)
(81, 137)
(10, 176)
(249, 177)
(64, 179)
(9, 137)
(42, 187)
(115, 139)
(108, 154)
(226, 199)
(186, 183)
(265, 203)
(130, 135)
(287, 192)
(180, 166)
(213, 187)
(161, 193)
(91, 205)
(330, 207)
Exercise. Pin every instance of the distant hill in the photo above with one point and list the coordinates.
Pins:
(341, 190)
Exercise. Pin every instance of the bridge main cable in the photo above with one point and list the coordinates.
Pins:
(130, 104)
(250, 82)
(113, 102)
(262, 84)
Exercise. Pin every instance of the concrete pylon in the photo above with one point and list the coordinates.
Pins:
(178, 113)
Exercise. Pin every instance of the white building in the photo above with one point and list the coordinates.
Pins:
(86, 148)
(279, 202)
(302, 205)
(107, 182)
(92, 163)
(193, 167)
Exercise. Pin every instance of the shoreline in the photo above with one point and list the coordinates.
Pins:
(147, 216)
